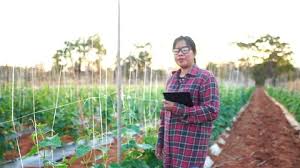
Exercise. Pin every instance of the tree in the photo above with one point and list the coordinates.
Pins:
(144, 56)
(74, 55)
(213, 67)
(129, 64)
(244, 67)
(140, 61)
(81, 47)
(96, 43)
(274, 58)
(57, 61)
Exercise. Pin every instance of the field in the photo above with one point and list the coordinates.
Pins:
(52, 118)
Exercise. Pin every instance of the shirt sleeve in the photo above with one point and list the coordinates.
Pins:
(209, 107)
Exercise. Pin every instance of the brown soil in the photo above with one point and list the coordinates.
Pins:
(262, 137)
(66, 139)
(26, 143)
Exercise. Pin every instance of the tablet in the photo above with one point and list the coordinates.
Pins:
(179, 97)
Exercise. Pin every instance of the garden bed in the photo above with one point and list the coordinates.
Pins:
(262, 137)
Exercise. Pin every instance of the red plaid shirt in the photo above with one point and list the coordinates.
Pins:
(184, 135)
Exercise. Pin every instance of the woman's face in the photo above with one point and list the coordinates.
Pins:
(184, 55)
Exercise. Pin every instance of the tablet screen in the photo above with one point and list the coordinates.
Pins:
(179, 97)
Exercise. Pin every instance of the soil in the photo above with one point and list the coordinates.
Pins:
(261, 137)
(66, 139)
(26, 143)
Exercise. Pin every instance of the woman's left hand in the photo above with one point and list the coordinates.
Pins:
(169, 106)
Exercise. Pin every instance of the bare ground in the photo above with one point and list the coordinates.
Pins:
(262, 137)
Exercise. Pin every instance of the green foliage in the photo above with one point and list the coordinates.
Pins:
(258, 74)
(151, 160)
(98, 166)
(136, 102)
(55, 165)
(151, 136)
(33, 151)
(52, 142)
(70, 100)
(134, 163)
(115, 165)
(288, 98)
(64, 123)
(2, 145)
(81, 150)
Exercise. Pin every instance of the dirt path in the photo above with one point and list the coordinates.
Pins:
(262, 137)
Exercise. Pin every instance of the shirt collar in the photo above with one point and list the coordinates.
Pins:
(193, 71)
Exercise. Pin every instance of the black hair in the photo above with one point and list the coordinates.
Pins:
(189, 41)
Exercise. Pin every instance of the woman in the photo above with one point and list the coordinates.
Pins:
(184, 132)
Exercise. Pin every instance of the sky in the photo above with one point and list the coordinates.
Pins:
(32, 30)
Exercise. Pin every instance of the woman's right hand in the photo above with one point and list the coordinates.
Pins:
(159, 153)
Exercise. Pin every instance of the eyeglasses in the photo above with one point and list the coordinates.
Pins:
(184, 50)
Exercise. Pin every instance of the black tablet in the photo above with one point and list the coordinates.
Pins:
(179, 97)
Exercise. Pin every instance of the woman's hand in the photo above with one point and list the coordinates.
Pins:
(169, 106)
(159, 153)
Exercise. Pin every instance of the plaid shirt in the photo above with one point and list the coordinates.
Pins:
(184, 135)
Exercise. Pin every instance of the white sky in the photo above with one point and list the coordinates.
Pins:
(32, 30)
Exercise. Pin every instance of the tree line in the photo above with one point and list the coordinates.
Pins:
(270, 59)
(81, 60)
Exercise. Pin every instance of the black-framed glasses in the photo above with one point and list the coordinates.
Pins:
(184, 50)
